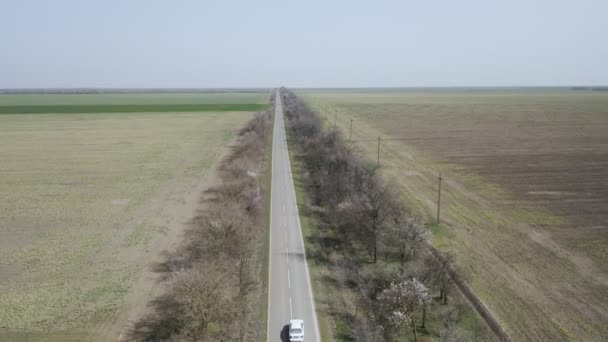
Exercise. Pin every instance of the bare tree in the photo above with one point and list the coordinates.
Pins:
(367, 330)
(220, 230)
(204, 303)
(407, 237)
(449, 332)
(440, 274)
(371, 208)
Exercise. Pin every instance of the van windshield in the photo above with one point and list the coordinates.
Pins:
(296, 331)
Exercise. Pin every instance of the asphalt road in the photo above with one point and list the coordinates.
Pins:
(290, 293)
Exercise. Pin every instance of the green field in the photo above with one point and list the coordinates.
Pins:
(523, 197)
(133, 98)
(131, 103)
(88, 202)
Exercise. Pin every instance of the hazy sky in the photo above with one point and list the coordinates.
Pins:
(312, 43)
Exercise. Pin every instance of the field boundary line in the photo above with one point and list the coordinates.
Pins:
(472, 298)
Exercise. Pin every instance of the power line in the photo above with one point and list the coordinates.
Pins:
(399, 139)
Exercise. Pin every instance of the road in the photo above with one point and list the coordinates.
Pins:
(289, 290)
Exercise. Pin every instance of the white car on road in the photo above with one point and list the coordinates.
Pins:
(296, 330)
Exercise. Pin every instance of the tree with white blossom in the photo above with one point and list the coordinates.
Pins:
(401, 300)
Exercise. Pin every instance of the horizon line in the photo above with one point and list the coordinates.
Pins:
(102, 90)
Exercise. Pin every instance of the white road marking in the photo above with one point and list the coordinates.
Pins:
(290, 309)
(281, 156)
(270, 235)
(312, 298)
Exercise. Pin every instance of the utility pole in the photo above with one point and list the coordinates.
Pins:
(378, 163)
(350, 134)
(439, 199)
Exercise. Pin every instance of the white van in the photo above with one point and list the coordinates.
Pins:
(296, 330)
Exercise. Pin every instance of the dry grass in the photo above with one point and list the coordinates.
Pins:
(523, 198)
(83, 198)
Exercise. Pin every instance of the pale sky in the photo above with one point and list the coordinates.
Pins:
(312, 43)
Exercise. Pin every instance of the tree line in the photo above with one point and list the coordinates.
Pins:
(373, 245)
(214, 281)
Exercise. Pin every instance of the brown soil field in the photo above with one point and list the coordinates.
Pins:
(524, 198)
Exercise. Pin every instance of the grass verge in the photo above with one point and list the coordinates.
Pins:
(267, 183)
(309, 230)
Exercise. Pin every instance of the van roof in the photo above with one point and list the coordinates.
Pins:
(296, 323)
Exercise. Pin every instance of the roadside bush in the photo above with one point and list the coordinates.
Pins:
(205, 301)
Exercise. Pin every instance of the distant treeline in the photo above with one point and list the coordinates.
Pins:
(156, 108)
(603, 88)
(131, 91)
(416, 89)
